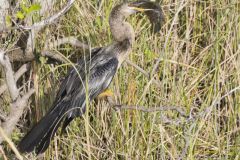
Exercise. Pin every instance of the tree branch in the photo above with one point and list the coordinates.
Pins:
(17, 108)
(3, 13)
(17, 75)
(54, 55)
(25, 55)
(11, 83)
(68, 40)
(19, 103)
(152, 109)
(144, 109)
(50, 19)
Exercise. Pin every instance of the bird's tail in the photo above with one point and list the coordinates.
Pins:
(39, 136)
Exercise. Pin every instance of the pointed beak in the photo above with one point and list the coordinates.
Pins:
(152, 10)
(140, 9)
(139, 6)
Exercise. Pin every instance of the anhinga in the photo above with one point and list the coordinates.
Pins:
(94, 73)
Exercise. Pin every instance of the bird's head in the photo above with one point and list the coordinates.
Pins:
(151, 9)
(122, 30)
(127, 8)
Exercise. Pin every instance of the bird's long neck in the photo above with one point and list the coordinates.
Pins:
(121, 30)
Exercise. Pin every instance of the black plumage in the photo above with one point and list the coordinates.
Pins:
(90, 77)
(98, 71)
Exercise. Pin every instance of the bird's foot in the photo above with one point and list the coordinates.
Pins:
(105, 94)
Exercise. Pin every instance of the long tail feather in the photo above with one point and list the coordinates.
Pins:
(40, 135)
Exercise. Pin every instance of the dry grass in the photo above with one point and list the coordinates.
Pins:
(199, 70)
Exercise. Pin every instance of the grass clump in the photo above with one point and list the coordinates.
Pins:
(199, 71)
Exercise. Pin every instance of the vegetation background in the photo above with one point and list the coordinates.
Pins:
(199, 71)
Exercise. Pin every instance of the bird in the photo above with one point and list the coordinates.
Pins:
(91, 76)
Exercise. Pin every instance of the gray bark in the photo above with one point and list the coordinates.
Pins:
(4, 6)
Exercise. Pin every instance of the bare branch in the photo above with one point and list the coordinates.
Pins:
(17, 75)
(11, 83)
(69, 40)
(17, 108)
(66, 40)
(187, 138)
(144, 109)
(4, 6)
(153, 109)
(51, 19)
(54, 55)
(166, 120)
(27, 55)
(19, 103)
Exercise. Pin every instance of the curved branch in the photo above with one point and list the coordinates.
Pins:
(19, 103)
(54, 55)
(51, 19)
(16, 112)
(17, 75)
(69, 40)
(10, 81)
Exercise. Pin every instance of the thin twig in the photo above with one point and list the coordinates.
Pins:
(11, 144)
(51, 19)
(144, 109)
(202, 115)
(187, 137)
(208, 109)
(138, 68)
(166, 120)
(230, 92)
(153, 109)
